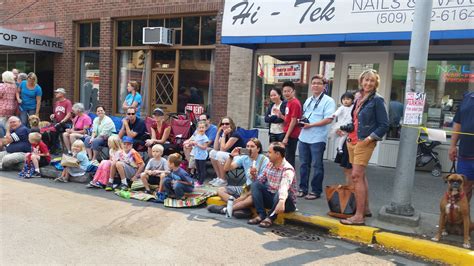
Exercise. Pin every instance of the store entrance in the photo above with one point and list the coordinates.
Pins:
(165, 92)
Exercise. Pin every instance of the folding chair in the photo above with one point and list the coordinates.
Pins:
(237, 176)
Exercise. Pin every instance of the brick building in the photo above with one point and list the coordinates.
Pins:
(103, 50)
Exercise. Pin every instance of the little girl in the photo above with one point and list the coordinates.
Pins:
(79, 152)
(200, 143)
(344, 118)
(102, 174)
(178, 181)
(39, 155)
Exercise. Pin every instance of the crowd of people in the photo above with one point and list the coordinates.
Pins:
(270, 180)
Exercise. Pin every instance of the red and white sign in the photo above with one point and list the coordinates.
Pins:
(287, 72)
(195, 108)
(415, 104)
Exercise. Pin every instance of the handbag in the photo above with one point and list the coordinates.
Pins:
(69, 161)
(341, 201)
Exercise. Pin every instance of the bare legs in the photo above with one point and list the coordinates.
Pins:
(361, 192)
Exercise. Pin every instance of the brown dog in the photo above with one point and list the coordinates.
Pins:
(35, 122)
(454, 207)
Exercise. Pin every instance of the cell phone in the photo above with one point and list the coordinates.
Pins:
(244, 151)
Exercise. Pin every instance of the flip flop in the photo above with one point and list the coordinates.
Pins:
(349, 222)
(300, 194)
(266, 223)
(312, 196)
(255, 220)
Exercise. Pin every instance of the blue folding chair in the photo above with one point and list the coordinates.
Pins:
(238, 175)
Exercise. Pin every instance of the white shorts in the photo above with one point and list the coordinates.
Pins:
(220, 156)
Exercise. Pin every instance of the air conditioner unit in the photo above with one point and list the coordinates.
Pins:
(158, 35)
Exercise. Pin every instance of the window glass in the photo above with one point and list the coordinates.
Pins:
(3, 63)
(156, 23)
(22, 62)
(448, 77)
(164, 59)
(138, 26)
(89, 79)
(353, 73)
(131, 67)
(208, 30)
(177, 36)
(96, 34)
(272, 71)
(124, 33)
(191, 31)
(85, 35)
(194, 78)
(173, 22)
(327, 64)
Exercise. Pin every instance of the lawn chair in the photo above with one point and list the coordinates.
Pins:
(237, 176)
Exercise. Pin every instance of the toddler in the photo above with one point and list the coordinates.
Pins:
(79, 152)
(200, 143)
(156, 168)
(39, 155)
(102, 174)
(343, 115)
(178, 181)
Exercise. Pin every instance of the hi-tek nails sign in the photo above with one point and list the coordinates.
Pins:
(27, 40)
(312, 17)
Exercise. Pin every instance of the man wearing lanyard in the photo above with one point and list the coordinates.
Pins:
(318, 110)
(464, 122)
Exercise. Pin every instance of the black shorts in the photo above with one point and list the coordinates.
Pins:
(154, 180)
(43, 162)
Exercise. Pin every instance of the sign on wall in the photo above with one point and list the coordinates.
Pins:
(28, 40)
(310, 17)
(287, 72)
(413, 114)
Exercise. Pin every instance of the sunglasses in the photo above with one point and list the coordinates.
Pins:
(130, 113)
(225, 124)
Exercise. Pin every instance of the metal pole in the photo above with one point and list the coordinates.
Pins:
(405, 171)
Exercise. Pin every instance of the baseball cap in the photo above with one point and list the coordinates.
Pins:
(127, 139)
(60, 90)
(158, 111)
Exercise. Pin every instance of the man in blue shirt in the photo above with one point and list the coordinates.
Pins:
(133, 127)
(16, 144)
(464, 122)
(318, 109)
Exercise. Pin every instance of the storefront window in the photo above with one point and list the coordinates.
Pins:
(327, 64)
(138, 26)
(3, 63)
(448, 77)
(353, 73)
(22, 62)
(89, 79)
(272, 71)
(191, 31)
(124, 33)
(131, 67)
(89, 34)
(208, 30)
(195, 78)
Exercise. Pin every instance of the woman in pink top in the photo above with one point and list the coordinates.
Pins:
(7, 99)
(80, 124)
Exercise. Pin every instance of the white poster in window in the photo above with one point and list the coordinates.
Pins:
(287, 72)
(415, 103)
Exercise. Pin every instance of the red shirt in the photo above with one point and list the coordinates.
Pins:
(293, 110)
(61, 109)
(41, 148)
(159, 132)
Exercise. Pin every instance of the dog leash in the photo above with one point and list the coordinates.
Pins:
(453, 168)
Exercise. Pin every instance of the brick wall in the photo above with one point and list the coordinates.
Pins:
(66, 13)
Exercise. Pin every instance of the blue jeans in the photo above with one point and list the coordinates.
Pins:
(24, 117)
(262, 198)
(178, 189)
(96, 144)
(312, 154)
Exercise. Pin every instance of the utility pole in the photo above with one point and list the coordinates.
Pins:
(400, 210)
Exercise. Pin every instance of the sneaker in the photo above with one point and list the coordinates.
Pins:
(197, 184)
(242, 214)
(216, 209)
(123, 187)
(97, 185)
(109, 187)
(36, 174)
(90, 185)
(220, 183)
(213, 181)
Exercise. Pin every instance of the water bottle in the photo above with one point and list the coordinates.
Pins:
(230, 204)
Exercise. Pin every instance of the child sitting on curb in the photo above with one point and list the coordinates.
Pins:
(39, 156)
(79, 152)
(102, 174)
(156, 169)
(178, 181)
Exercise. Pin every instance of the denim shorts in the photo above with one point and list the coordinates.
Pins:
(466, 167)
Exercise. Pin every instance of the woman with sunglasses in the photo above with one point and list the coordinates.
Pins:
(30, 98)
(160, 133)
(227, 138)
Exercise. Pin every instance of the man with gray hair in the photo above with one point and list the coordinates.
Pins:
(15, 143)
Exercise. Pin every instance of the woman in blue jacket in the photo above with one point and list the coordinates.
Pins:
(370, 120)
(277, 107)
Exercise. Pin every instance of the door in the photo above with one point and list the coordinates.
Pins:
(353, 64)
(165, 93)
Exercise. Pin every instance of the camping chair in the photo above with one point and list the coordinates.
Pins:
(180, 130)
(237, 176)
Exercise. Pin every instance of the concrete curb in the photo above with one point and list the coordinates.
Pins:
(372, 235)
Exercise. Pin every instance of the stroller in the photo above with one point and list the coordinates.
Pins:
(426, 158)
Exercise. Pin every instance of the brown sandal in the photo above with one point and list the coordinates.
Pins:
(256, 220)
(266, 223)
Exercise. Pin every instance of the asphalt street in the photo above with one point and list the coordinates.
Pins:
(43, 222)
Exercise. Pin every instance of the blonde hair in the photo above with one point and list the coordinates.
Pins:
(33, 76)
(8, 77)
(34, 137)
(114, 143)
(175, 159)
(80, 144)
(159, 148)
(369, 73)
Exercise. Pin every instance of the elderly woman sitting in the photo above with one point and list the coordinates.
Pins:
(102, 128)
(80, 124)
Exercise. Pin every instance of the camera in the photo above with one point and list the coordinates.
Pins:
(303, 120)
(244, 151)
(347, 128)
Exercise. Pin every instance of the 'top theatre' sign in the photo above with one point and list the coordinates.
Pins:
(27, 40)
